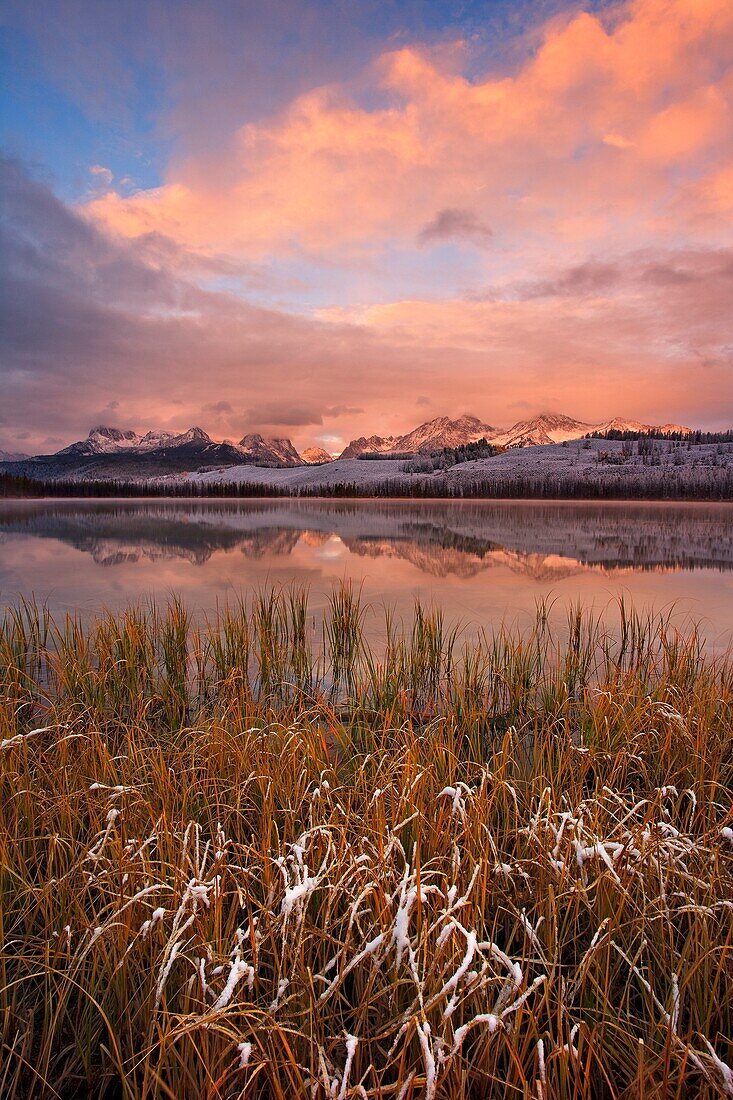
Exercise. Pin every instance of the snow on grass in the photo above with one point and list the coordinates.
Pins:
(399, 893)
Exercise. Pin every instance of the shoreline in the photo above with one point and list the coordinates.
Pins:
(381, 500)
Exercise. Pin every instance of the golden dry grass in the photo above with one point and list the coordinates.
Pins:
(237, 863)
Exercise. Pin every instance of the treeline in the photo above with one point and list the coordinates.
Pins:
(687, 483)
(466, 452)
(691, 438)
(443, 459)
(435, 460)
(385, 456)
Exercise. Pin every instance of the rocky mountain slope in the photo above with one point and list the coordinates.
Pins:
(108, 453)
(269, 452)
(372, 444)
(545, 428)
(433, 435)
(315, 455)
(114, 454)
(443, 432)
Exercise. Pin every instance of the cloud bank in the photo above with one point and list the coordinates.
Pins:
(414, 237)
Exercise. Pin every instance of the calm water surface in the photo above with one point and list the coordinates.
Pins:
(482, 562)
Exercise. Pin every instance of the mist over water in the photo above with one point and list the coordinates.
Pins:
(481, 562)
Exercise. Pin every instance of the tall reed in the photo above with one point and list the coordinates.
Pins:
(243, 857)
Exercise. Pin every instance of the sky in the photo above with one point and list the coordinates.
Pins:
(341, 217)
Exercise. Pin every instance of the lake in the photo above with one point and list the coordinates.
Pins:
(481, 562)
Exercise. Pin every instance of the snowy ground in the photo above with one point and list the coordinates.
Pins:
(351, 471)
(590, 461)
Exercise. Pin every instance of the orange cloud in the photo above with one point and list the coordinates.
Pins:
(111, 331)
(592, 188)
(536, 153)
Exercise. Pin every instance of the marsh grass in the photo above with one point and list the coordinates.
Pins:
(242, 859)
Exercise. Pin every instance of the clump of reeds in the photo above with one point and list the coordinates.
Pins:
(239, 858)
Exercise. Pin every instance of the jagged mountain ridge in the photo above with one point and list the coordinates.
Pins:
(444, 432)
(557, 428)
(545, 428)
(109, 453)
(279, 452)
(253, 447)
(433, 435)
(373, 444)
(542, 429)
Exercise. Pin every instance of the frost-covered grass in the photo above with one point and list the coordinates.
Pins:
(238, 860)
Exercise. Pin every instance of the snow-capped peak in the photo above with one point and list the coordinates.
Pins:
(193, 435)
(548, 427)
(275, 451)
(315, 455)
(104, 440)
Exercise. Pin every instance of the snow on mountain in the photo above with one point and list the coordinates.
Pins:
(278, 452)
(442, 432)
(547, 427)
(620, 424)
(672, 428)
(542, 429)
(145, 455)
(12, 456)
(193, 435)
(433, 435)
(153, 441)
(372, 444)
(103, 440)
(557, 428)
(313, 455)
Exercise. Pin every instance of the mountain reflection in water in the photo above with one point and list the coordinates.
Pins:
(539, 539)
(451, 552)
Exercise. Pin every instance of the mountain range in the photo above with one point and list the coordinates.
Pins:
(112, 453)
(442, 432)
(252, 448)
(109, 453)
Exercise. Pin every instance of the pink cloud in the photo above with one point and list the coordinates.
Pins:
(608, 118)
(592, 187)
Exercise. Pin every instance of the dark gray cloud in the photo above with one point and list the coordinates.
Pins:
(592, 277)
(668, 272)
(688, 267)
(88, 323)
(282, 414)
(455, 222)
(341, 410)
